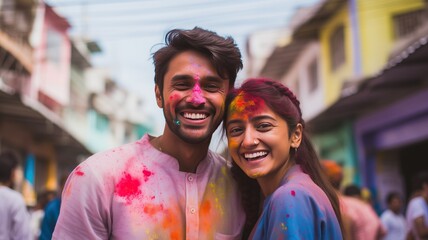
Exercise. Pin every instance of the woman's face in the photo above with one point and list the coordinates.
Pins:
(258, 138)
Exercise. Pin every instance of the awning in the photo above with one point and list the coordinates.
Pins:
(404, 74)
(42, 124)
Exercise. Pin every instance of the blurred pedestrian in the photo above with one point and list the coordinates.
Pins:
(51, 213)
(171, 186)
(268, 142)
(38, 211)
(392, 219)
(14, 217)
(417, 209)
(360, 220)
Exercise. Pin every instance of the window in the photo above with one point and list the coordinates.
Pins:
(53, 44)
(313, 75)
(406, 23)
(337, 48)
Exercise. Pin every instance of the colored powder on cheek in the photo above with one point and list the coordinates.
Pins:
(233, 143)
(79, 171)
(293, 193)
(128, 187)
(173, 97)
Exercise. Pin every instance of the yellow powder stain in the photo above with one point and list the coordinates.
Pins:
(283, 227)
(67, 190)
(239, 104)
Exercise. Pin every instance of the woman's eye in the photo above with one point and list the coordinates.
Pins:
(264, 126)
(235, 131)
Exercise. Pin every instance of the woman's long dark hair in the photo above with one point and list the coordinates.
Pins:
(284, 103)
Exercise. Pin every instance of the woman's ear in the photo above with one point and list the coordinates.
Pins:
(158, 96)
(296, 137)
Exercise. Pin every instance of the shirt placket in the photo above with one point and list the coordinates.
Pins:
(192, 207)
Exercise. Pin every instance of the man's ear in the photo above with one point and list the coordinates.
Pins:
(158, 96)
(296, 137)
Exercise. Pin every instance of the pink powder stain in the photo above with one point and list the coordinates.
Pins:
(197, 97)
(79, 171)
(293, 193)
(128, 187)
(147, 174)
(173, 97)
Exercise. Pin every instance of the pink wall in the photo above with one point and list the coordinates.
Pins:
(51, 74)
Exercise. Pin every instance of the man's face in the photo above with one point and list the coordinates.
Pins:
(193, 97)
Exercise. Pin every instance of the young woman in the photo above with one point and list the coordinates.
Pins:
(272, 154)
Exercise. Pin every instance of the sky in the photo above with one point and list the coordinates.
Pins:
(130, 31)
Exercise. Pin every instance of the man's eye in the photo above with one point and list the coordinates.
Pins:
(211, 87)
(182, 86)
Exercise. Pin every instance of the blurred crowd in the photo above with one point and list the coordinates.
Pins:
(400, 220)
(21, 222)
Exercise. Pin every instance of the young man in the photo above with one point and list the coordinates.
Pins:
(417, 209)
(171, 186)
(392, 218)
(14, 217)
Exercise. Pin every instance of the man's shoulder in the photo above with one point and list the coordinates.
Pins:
(120, 152)
(10, 196)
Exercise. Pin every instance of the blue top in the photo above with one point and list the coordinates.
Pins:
(50, 219)
(298, 209)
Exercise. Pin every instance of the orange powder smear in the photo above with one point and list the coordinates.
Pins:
(207, 220)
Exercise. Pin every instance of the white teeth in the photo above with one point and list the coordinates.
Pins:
(195, 116)
(254, 155)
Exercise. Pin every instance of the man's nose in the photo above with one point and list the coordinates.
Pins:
(196, 96)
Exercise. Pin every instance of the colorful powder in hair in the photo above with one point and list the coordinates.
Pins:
(293, 193)
(128, 187)
(246, 104)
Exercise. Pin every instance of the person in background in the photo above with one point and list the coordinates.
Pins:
(360, 220)
(51, 213)
(268, 142)
(417, 209)
(392, 219)
(171, 186)
(38, 211)
(352, 190)
(14, 217)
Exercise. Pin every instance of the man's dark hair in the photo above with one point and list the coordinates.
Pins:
(391, 196)
(419, 180)
(352, 190)
(8, 162)
(222, 52)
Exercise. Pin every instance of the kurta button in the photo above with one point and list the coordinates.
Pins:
(190, 178)
(192, 210)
